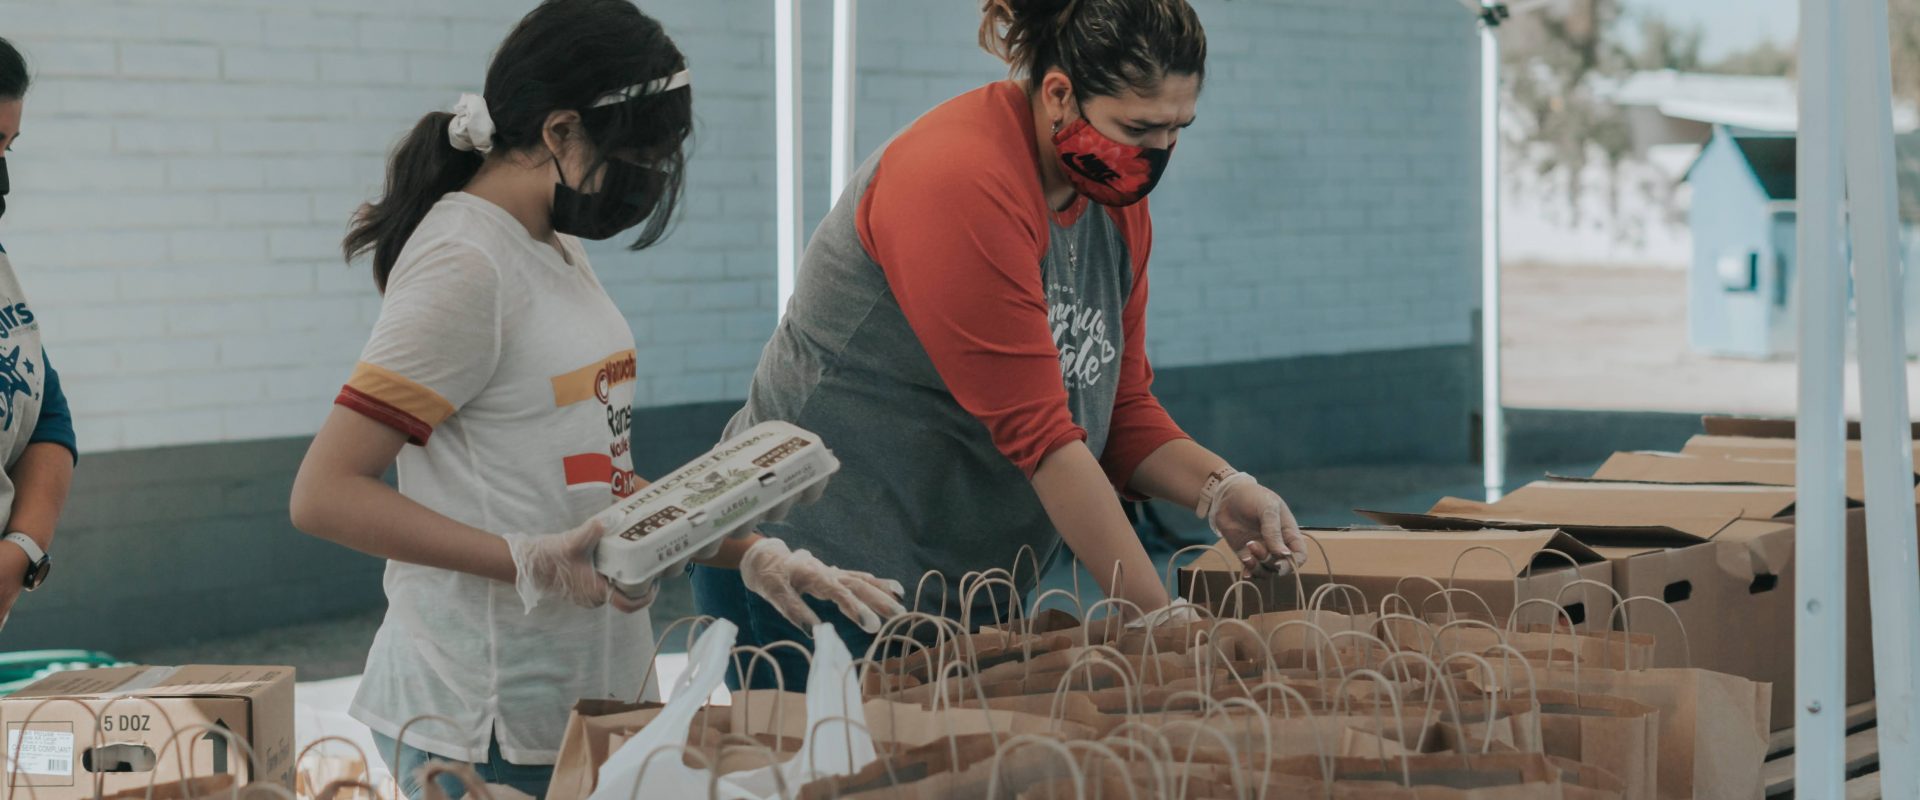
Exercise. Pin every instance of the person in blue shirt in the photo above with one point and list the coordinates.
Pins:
(36, 430)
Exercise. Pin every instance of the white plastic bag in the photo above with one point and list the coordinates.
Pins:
(830, 748)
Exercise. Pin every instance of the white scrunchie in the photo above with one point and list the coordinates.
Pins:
(472, 127)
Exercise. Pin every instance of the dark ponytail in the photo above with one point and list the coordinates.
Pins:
(424, 167)
(1103, 46)
(564, 55)
(13, 72)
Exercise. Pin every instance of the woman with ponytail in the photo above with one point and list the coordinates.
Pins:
(499, 380)
(968, 332)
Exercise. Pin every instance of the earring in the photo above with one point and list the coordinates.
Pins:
(1056, 126)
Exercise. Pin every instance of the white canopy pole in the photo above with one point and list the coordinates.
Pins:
(845, 26)
(1820, 557)
(786, 148)
(1885, 436)
(1493, 427)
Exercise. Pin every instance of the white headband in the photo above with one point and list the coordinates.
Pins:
(472, 127)
(677, 80)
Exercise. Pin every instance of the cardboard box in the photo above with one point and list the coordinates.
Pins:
(1735, 597)
(1768, 427)
(1609, 513)
(1747, 448)
(1684, 468)
(129, 726)
(1377, 560)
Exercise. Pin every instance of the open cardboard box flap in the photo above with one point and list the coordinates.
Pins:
(1611, 513)
(1780, 453)
(1395, 552)
(1684, 468)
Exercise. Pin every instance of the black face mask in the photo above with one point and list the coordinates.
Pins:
(3, 186)
(627, 196)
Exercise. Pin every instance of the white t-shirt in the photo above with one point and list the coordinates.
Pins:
(512, 371)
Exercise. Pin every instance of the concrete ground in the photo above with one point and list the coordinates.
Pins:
(1616, 339)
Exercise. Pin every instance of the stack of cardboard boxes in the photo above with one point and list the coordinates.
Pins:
(1709, 531)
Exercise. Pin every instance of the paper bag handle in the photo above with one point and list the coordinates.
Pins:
(1508, 656)
(1163, 786)
(1440, 635)
(1031, 740)
(365, 765)
(1453, 613)
(1253, 635)
(1174, 566)
(1233, 755)
(691, 623)
(193, 732)
(1399, 715)
(1094, 748)
(430, 774)
(1107, 622)
(1015, 609)
(1347, 591)
(1320, 662)
(1398, 591)
(1686, 642)
(920, 590)
(1511, 570)
(813, 755)
(745, 702)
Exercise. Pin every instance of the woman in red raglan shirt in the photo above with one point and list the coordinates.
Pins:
(968, 332)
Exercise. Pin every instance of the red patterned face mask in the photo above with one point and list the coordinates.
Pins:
(1106, 171)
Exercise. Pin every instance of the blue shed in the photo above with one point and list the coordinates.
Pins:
(1741, 286)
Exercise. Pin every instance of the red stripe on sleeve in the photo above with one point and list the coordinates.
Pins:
(380, 411)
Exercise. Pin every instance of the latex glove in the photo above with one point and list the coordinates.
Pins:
(1259, 527)
(560, 565)
(782, 576)
(1179, 612)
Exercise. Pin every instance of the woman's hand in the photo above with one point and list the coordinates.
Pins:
(560, 565)
(782, 576)
(1260, 528)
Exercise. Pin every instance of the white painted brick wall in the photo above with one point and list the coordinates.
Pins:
(188, 168)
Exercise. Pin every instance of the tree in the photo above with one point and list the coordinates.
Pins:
(1554, 60)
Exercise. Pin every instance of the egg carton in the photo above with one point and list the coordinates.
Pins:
(758, 476)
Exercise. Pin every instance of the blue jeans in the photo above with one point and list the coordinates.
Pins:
(530, 779)
(721, 593)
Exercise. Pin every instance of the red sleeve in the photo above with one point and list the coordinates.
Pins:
(1140, 425)
(960, 243)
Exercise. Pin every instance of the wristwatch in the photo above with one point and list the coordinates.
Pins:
(1210, 491)
(38, 562)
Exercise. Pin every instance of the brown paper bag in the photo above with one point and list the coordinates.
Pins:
(1713, 727)
(1613, 733)
(1613, 650)
(1511, 776)
(588, 741)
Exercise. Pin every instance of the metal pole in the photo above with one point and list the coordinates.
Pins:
(845, 26)
(1820, 557)
(786, 149)
(1886, 438)
(1493, 429)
